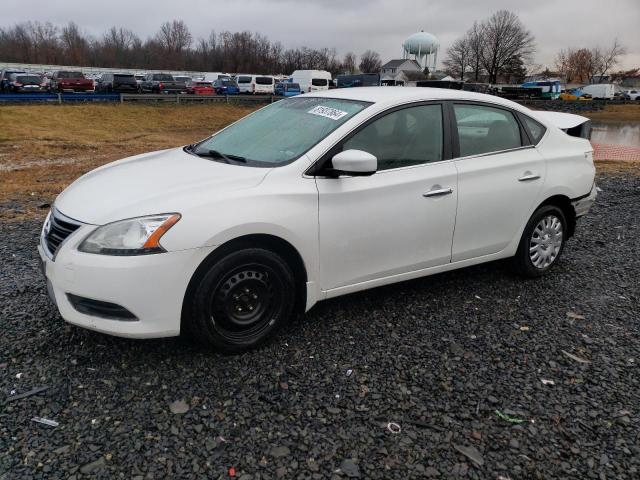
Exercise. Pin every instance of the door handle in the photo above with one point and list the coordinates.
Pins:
(528, 176)
(438, 192)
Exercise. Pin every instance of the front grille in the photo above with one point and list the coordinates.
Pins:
(60, 228)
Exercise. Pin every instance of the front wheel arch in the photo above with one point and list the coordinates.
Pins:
(268, 242)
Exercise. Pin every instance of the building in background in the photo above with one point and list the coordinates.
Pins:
(401, 72)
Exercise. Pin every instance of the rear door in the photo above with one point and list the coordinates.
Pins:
(400, 219)
(500, 177)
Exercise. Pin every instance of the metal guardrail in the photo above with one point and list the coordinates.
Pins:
(60, 98)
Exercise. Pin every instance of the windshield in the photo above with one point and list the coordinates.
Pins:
(244, 79)
(163, 77)
(28, 79)
(282, 131)
(264, 80)
(70, 75)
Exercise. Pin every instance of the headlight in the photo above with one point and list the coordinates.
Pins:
(135, 236)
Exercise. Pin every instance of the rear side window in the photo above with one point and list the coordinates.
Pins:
(535, 129)
(484, 129)
(411, 136)
(319, 82)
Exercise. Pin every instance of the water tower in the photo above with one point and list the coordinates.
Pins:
(423, 48)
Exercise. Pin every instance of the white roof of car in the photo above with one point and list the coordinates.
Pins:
(408, 94)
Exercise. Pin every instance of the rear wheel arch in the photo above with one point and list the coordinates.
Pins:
(563, 203)
(272, 243)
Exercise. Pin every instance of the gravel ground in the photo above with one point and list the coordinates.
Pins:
(486, 375)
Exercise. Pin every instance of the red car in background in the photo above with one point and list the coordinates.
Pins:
(200, 88)
(67, 81)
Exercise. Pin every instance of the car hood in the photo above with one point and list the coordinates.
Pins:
(159, 182)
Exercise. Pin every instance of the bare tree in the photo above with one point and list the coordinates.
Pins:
(74, 44)
(459, 56)
(349, 63)
(505, 37)
(605, 59)
(370, 62)
(476, 42)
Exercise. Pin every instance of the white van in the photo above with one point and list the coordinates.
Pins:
(213, 76)
(600, 90)
(311, 80)
(255, 83)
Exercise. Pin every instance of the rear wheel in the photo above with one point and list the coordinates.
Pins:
(542, 242)
(241, 300)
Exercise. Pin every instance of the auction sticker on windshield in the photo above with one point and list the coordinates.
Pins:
(332, 113)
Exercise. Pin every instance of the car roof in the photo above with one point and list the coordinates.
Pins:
(391, 95)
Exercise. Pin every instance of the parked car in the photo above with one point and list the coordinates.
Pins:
(183, 78)
(311, 80)
(201, 88)
(631, 95)
(369, 186)
(117, 82)
(4, 79)
(161, 83)
(225, 86)
(26, 83)
(287, 89)
(70, 81)
(262, 84)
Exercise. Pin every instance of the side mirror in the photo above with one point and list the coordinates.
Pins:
(355, 163)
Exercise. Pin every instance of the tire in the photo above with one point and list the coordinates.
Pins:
(241, 300)
(542, 242)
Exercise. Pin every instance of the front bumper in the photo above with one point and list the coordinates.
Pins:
(152, 287)
(583, 205)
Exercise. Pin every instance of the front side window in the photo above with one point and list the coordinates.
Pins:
(483, 129)
(280, 132)
(411, 136)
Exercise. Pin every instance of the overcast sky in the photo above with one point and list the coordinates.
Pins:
(353, 25)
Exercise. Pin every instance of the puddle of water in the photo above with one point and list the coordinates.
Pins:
(616, 133)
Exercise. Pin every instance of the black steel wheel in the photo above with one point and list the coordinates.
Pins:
(241, 300)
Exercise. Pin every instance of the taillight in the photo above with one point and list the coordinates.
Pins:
(18, 84)
(160, 86)
(43, 84)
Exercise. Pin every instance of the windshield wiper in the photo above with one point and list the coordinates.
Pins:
(216, 154)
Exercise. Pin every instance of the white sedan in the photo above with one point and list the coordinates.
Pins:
(311, 198)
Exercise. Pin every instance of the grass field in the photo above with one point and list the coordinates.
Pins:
(43, 148)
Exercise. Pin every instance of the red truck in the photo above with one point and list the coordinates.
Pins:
(68, 81)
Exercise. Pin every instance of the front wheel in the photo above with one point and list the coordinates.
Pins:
(542, 242)
(241, 300)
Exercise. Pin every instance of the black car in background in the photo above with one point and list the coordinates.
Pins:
(4, 79)
(117, 83)
(26, 83)
(161, 83)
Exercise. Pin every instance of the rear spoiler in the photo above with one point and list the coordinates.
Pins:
(574, 125)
